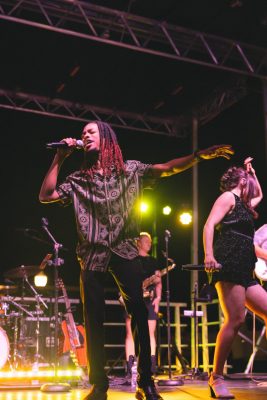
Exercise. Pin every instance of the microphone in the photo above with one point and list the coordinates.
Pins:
(198, 267)
(63, 145)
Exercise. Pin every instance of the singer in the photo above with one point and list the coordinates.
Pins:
(233, 212)
(104, 193)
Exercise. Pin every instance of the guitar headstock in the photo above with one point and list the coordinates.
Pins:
(45, 261)
(171, 267)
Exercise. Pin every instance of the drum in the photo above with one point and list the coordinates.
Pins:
(4, 346)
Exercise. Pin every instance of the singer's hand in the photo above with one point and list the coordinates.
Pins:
(67, 151)
(218, 150)
(248, 165)
(211, 264)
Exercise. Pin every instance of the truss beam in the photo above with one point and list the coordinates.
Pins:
(118, 28)
(59, 108)
(220, 99)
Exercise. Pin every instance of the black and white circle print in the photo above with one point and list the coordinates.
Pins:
(114, 194)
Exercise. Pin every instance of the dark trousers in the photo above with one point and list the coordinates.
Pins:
(128, 277)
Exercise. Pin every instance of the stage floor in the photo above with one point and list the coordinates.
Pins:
(192, 389)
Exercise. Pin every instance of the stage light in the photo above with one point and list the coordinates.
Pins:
(40, 280)
(185, 218)
(143, 207)
(49, 373)
(166, 210)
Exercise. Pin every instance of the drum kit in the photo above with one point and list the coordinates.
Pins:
(14, 311)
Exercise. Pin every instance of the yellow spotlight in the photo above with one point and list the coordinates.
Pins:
(40, 280)
(143, 207)
(185, 218)
(166, 210)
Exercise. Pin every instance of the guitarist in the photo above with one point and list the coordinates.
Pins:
(152, 297)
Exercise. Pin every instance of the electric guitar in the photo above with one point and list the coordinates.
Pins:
(261, 269)
(149, 282)
(74, 335)
(152, 280)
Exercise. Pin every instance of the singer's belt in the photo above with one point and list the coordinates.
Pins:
(239, 233)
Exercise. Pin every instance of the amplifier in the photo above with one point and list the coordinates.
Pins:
(38, 335)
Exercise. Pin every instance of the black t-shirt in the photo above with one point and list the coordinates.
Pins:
(149, 264)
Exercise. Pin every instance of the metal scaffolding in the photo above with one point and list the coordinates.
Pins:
(64, 109)
(105, 25)
(219, 100)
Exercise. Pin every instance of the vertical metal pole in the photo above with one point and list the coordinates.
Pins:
(205, 337)
(56, 247)
(194, 249)
(167, 235)
(154, 234)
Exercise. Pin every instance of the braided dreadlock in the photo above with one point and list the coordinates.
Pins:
(110, 157)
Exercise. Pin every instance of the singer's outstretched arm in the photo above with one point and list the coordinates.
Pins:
(182, 163)
(49, 194)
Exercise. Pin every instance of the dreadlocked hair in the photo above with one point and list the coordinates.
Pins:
(110, 157)
(231, 179)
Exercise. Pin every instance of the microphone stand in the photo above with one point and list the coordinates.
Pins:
(196, 373)
(56, 262)
(171, 381)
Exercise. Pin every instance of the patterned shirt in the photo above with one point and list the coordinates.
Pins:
(107, 216)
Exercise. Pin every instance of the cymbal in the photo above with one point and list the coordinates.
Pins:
(23, 271)
(8, 288)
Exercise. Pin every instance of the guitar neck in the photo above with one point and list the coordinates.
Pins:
(167, 269)
(151, 280)
(70, 320)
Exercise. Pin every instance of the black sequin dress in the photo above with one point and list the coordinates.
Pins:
(234, 247)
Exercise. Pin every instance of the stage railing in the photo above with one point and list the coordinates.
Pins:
(212, 317)
(177, 325)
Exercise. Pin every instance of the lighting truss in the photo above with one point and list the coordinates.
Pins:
(220, 99)
(146, 35)
(21, 101)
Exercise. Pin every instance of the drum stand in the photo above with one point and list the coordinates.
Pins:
(56, 262)
(38, 311)
(255, 350)
(13, 360)
(256, 347)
